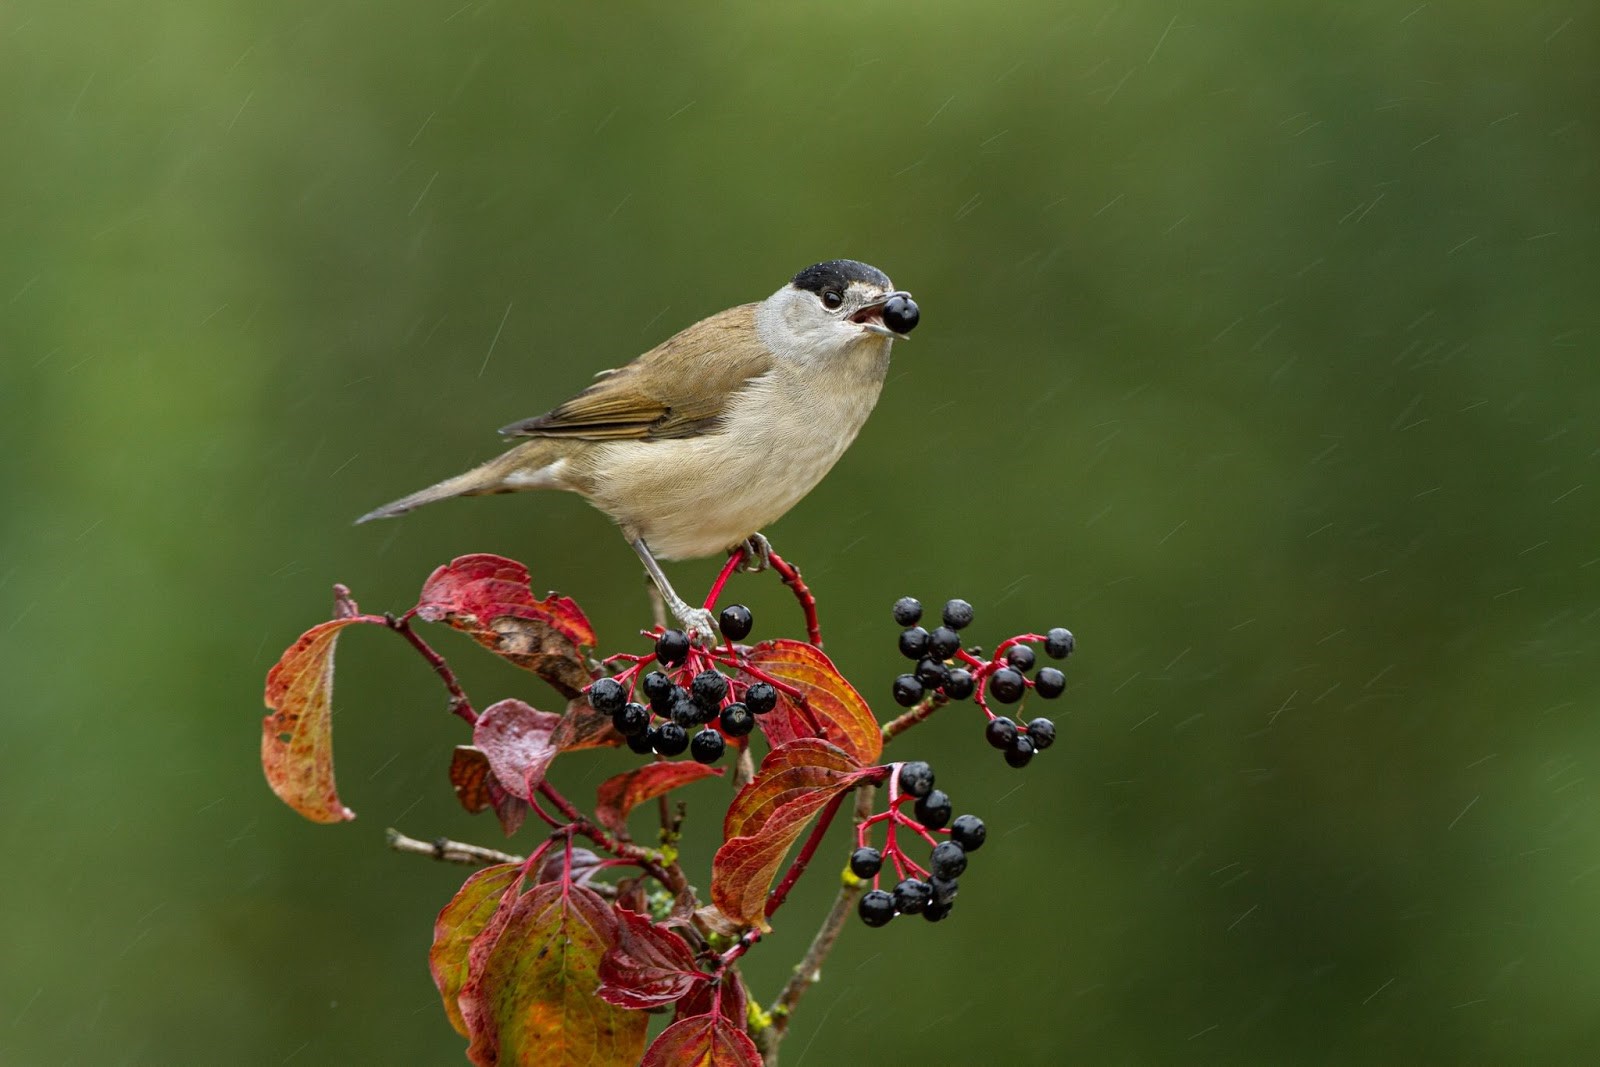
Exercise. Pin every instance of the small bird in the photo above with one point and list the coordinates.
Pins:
(716, 432)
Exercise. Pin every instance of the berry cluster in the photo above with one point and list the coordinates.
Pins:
(655, 711)
(947, 671)
(927, 891)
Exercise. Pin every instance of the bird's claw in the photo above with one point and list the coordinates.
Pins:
(757, 552)
(699, 624)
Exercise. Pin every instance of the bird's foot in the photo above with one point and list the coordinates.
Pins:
(698, 623)
(757, 554)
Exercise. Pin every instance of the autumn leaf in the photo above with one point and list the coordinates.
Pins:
(488, 597)
(622, 793)
(470, 777)
(649, 966)
(728, 996)
(766, 817)
(459, 923)
(297, 738)
(583, 727)
(515, 739)
(708, 1040)
(531, 1000)
(832, 705)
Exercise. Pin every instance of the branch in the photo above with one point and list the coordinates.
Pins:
(925, 707)
(448, 851)
(459, 704)
(808, 603)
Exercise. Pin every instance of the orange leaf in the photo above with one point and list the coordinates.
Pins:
(531, 998)
(488, 598)
(767, 816)
(469, 776)
(703, 1041)
(462, 920)
(832, 704)
(622, 793)
(297, 738)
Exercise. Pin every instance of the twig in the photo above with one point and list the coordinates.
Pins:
(926, 707)
(459, 704)
(809, 969)
(448, 851)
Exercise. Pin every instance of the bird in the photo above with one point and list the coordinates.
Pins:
(698, 444)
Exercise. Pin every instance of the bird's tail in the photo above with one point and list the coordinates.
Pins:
(534, 465)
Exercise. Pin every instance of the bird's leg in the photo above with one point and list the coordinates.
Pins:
(697, 621)
(757, 554)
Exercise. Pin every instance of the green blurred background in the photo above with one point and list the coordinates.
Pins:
(1258, 347)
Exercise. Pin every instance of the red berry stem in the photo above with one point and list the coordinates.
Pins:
(802, 592)
(734, 559)
(780, 893)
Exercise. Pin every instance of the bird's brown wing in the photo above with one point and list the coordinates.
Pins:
(680, 388)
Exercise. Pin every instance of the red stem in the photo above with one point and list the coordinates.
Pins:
(459, 704)
(808, 603)
(722, 579)
(776, 898)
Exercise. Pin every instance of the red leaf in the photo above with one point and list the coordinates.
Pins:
(488, 597)
(832, 704)
(469, 776)
(531, 999)
(461, 921)
(622, 793)
(768, 815)
(583, 727)
(649, 967)
(515, 738)
(703, 1041)
(297, 738)
(730, 998)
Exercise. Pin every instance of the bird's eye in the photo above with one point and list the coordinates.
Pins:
(832, 299)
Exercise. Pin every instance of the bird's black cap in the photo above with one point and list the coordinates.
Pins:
(838, 274)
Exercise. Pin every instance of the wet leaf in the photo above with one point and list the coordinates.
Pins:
(649, 967)
(832, 705)
(768, 815)
(532, 1000)
(583, 727)
(703, 1041)
(515, 738)
(622, 793)
(461, 921)
(578, 864)
(489, 598)
(297, 737)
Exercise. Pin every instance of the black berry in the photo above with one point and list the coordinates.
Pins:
(1059, 643)
(912, 895)
(933, 810)
(672, 648)
(1021, 657)
(957, 614)
(760, 698)
(607, 695)
(936, 911)
(916, 778)
(670, 739)
(1042, 732)
(642, 743)
(631, 720)
(914, 643)
(1049, 683)
(737, 720)
(969, 832)
(931, 672)
(708, 689)
(658, 688)
(907, 611)
(1006, 685)
(958, 684)
(944, 890)
(907, 690)
(1020, 752)
(735, 622)
(900, 314)
(1000, 732)
(866, 862)
(948, 860)
(707, 746)
(685, 712)
(876, 908)
(943, 642)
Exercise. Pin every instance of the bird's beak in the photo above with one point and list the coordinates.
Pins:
(870, 318)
